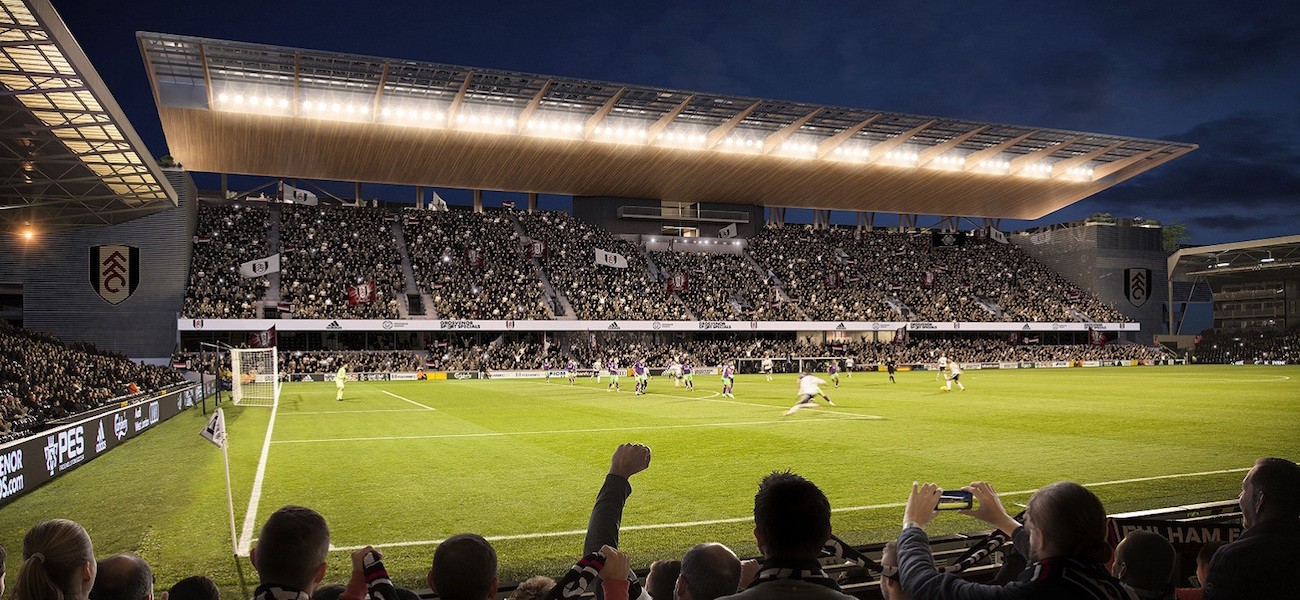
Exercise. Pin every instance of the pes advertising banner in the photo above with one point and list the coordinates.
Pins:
(29, 463)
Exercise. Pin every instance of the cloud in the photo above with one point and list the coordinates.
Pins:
(1247, 161)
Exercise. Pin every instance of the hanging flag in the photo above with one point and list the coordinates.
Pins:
(508, 204)
(474, 257)
(947, 239)
(295, 195)
(363, 293)
(215, 430)
(728, 231)
(537, 249)
(261, 266)
(610, 259)
(262, 339)
(928, 280)
(900, 335)
(997, 236)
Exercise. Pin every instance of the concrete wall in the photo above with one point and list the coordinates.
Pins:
(1094, 257)
(58, 297)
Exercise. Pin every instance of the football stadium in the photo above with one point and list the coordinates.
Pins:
(758, 340)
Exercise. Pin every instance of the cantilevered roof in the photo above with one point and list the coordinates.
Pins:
(68, 156)
(1269, 259)
(237, 107)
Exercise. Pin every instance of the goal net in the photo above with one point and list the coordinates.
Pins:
(255, 376)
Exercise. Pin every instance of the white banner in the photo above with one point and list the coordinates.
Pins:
(609, 259)
(298, 196)
(728, 231)
(997, 236)
(261, 266)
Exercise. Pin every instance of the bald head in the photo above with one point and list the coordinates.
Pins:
(123, 577)
(709, 571)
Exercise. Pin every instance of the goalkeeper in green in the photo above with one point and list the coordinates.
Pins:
(339, 380)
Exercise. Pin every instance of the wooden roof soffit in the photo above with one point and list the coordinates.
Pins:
(1111, 167)
(594, 120)
(937, 150)
(1061, 166)
(379, 92)
(831, 143)
(528, 111)
(722, 130)
(659, 126)
(774, 140)
(898, 140)
(454, 109)
(1020, 162)
(979, 156)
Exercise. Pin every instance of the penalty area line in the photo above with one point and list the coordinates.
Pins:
(424, 406)
(485, 434)
(749, 519)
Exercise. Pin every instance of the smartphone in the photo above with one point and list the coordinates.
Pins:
(955, 500)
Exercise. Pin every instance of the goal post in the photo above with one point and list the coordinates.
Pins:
(255, 376)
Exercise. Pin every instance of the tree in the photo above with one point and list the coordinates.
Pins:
(1175, 235)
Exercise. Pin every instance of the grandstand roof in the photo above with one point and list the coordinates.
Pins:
(1269, 259)
(247, 108)
(68, 156)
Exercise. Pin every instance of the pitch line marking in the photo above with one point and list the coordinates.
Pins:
(485, 434)
(424, 406)
(348, 412)
(246, 535)
(749, 519)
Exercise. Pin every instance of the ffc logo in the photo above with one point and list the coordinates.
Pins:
(1137, 286)
(114, 271)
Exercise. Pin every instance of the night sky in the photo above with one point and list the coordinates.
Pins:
(1224, 75)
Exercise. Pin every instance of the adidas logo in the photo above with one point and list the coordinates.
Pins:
(841, 326)
(613, 325)
(1026, 327)
(334, 326)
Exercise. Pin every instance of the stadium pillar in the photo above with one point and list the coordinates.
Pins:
(225, 186)
(419, 197)
(532, 202)
(478, 201)
(357, 196)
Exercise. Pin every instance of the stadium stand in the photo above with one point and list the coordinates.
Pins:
(1248, 347)
(41, 378)
(358, 361)
(598, 292)
(443, 244)
(327, 250)
(227, 236)
(723, 287)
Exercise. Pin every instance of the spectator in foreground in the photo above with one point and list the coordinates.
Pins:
(3, 556)
(1203, 557)
(533, 588)
(464, 568)
(890, 587)
(709, 571)
(792, 521)
(290, 554)
(197, 587)
(58, 562)
(123, 577)
(1260, 563)
(1064, 532)
(662, 578)
(1145, 562)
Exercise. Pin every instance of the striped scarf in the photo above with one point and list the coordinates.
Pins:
(582, 574)
(797, 570)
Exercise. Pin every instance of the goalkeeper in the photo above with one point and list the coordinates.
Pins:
(339, 380)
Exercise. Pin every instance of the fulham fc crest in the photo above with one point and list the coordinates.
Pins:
(114, 271)
(1137, 286)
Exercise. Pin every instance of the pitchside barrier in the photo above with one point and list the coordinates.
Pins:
(31, 462)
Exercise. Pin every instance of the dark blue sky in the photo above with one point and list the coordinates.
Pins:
(1224, 75)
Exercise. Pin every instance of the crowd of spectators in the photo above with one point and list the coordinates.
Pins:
(1058, 547)
(227, 236)
(358, 361)
(598, 292)
(326, 249)
(839, 273)
(1254, 346)
(723, 287)
(41, 378)
(473, 265)
(463, 355)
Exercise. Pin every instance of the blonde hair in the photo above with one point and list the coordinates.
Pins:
(53, 552)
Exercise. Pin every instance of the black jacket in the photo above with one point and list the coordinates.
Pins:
(1260, 564)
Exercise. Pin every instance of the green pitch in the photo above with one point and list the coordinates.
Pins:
(401, 465)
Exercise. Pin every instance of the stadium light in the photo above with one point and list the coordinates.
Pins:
(1269, 259)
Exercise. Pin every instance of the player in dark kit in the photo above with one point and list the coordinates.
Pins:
(891, 367)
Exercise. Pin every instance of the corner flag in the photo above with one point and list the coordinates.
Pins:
(215, 430)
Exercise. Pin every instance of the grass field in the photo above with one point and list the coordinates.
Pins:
(403, 464)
